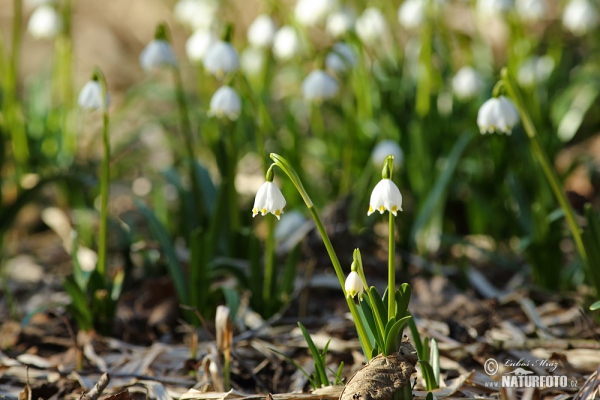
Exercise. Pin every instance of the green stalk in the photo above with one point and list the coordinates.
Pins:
(104, 181)
(546, 167)
(363, 278)
(269, 264)
(391, 269)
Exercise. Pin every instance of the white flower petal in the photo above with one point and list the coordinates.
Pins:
(385, 197)
(90, 96)
(353, 284)
(269, 199)
(225, 103)
(221, 58)
(157, 54)
(319, 86)
(262, 31)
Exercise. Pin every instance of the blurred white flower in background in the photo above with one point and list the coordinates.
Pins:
(45, 22)
(221, 58)
(493, 7)
(157, 54)
(90, 97)
(340, 22)
(497, 115)
(262, 31)
(385, 197)
(371, 26)
(580, 17)
(286, 44)
(319, 86)
(198, 44)
(531, 10)
(535, 70)
(196, 14)
(313, 12)
(340, 58)
(411, 13)
(225, 103)
(467, 83)
(252, 61)
(384, 149)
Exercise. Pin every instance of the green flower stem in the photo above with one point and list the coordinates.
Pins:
(269, 263)
(546, 167)
(289, 171)
(380, 324)
(391, 270)
(104, 182)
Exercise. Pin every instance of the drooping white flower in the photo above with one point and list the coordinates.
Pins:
(225, 103)
(493, 7)
(497, 115)
(340, 58)
(90, 97)
(411, 13)
(45, 22)
(157, 54)
(535, 70)
(196, 14)
(286, 44)
(466, 83)
(252, 61)
(269, 199)
(262, 31)
(371, 26)
(198, 44)
(221, 58)
(319, 86)
(385, 196)
(384, 149)
(580, 17)
(340, 22)
(531, 10)
(353, 285)
(313, 12)
(223, 329)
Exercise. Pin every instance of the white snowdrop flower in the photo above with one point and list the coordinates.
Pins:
(385, 196)
(286, 43)
(340, 22)
(45, 22)
(196, 14)
(225, 103)
(531, 10)
(262, 31)
(411, 13)
(580, 17)
(493, 7)
(466, 83)
(313, 12)
(221, 58)
(384, 149)
(535, 70)
(269, 199)
(340, 58)
(198, 44)
(252, 61)
(353, 285)
(90, 97)
(157, 54)
(497, 115)
(319, 86)
(371, 26)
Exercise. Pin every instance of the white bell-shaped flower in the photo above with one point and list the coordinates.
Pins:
(340, 22)
(411, 13)
(252, 61)
(384, 149)
(90, 97)
(341, 58)
(497, 115)
(353, 285)
(198, 44)
(535, 70)
(371, 26)
(262, 31)
(269, 199)
(225, 103)
(467, 83)
(531, 10)
(385, 197)
(313, 12)
(157, 54)
(45, 22)
(580, 16)
(319, 86)
(221, 58)
(196, 14)
(286, 44)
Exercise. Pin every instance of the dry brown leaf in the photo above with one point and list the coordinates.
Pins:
(120, 396)
(382, 376)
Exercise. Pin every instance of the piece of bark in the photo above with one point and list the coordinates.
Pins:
(97, 389)
(382, 376)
